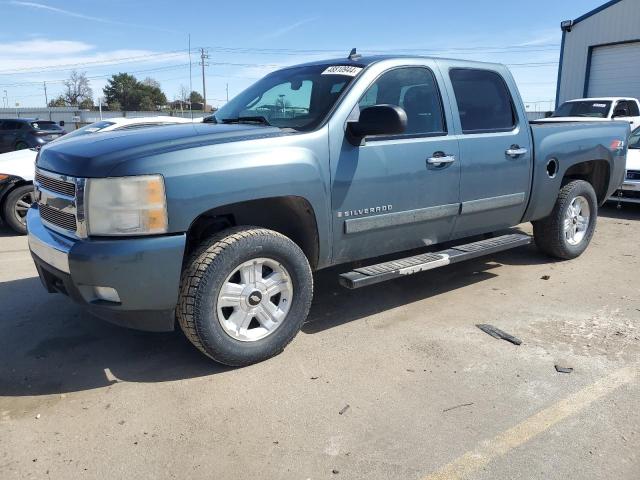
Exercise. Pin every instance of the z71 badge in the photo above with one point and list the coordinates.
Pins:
(365, 211)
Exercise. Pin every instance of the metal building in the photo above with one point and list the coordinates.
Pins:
(600, 53)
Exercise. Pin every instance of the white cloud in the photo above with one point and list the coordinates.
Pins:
(43, 46)
(42, 54)
(288, 28)
(70, 13)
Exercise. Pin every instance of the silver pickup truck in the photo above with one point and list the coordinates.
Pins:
(217, 227)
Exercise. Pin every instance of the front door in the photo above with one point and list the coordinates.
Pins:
(495, 151)
(397, 192)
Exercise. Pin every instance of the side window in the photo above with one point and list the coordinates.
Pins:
(10, 125)
(416, 91)
(484, 101)
(630, 108)
(622, 109)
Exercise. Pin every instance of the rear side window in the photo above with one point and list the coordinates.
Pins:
(45, 125)
(11, 125)
(630, 108)
(484, 101)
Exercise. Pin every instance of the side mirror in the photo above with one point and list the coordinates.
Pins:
(61, 123)
(377, 120)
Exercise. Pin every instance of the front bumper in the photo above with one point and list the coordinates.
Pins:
(145, 272)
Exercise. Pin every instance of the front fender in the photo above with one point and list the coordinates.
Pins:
(202, 178)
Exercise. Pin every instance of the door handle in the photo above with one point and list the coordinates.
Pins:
(515, 151)
(440, 158)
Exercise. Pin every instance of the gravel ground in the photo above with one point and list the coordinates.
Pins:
(393, 381)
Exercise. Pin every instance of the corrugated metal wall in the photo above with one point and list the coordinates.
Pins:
(619, 22)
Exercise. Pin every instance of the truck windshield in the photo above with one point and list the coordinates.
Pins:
(596, 109)
(634, 139)
(297, 98)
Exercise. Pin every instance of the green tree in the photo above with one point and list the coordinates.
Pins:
(132, 94)
(195, 97)
(57, 102)
(147, 103)
(124, 89)
(86, 104)
(154, 94)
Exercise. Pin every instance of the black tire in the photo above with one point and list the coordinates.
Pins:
(21, 146)
(209, 268)
(549, 233)
(10, 212)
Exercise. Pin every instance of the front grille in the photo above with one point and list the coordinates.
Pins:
(633, 174)
(55, 185)
(58, 218)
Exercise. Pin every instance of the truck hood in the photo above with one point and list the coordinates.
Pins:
(97, 155)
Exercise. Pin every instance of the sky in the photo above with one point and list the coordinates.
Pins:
(42, 41)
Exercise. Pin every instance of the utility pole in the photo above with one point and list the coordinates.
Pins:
(203, 61)
(227, 92)
(46, 100)
(190, 79)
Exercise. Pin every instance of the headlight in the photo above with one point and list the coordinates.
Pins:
(126, 205)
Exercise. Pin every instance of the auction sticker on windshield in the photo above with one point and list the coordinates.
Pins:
(342, 70)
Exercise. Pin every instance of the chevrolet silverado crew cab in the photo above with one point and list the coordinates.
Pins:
(218, 227)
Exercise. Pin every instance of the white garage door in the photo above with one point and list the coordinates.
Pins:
(615, 71)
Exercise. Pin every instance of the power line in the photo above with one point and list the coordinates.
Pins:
(276, 51)
(71, 66)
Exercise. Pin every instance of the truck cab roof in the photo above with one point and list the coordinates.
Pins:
(367, 60)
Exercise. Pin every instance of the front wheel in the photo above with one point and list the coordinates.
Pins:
(16, 207)
(244, 295)
(568, 230)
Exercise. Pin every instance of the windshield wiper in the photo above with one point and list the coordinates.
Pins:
(247, 119)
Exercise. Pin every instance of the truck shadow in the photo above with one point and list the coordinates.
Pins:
(627, 211)
(49, 345)
(7, 232)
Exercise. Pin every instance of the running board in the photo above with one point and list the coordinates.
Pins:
(363, 277)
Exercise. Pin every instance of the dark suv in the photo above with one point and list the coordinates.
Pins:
(19, 133)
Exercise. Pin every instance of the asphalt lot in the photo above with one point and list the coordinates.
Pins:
(428, 394)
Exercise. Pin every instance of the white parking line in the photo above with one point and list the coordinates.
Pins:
(533, 426)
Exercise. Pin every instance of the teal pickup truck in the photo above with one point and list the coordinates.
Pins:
(218, 227)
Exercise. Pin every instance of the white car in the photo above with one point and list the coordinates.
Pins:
(17, 168)
(597, 110)
(630, 190)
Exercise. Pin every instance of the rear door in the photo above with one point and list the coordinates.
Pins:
(2, 137)
(7, 135)
(10, 132)
(495, 150)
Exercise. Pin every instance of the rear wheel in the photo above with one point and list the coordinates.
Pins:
(16, 207)
(567, 232)
(244, 295)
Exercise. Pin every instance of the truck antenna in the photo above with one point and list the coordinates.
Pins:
(354, 55)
